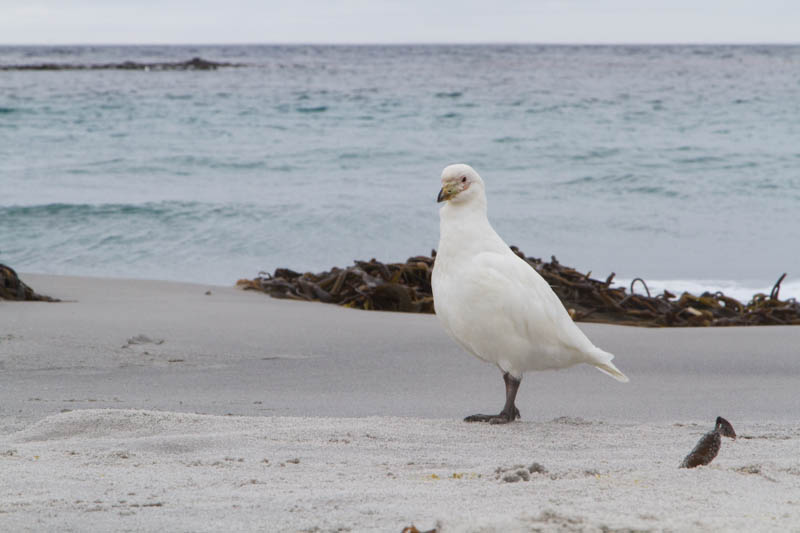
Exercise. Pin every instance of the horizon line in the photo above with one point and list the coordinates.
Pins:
(420, 43)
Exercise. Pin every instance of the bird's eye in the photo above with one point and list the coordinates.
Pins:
(463, 179)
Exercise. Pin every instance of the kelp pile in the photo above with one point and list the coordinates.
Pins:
(365, 285)
(13, 288)
(407, 287)
(591, 300)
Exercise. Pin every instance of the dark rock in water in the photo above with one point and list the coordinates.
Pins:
(196, 63)
(12, 288)
(709, 444)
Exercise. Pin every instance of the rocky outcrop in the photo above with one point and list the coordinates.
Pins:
(13, 288)
(196, 63)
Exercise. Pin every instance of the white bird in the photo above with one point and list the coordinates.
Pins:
(494, 304)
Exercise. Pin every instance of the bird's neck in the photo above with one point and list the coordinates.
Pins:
(457, 220)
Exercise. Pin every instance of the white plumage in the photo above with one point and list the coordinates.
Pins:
(493, 303)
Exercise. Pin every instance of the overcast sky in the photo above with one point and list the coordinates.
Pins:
(399, 21)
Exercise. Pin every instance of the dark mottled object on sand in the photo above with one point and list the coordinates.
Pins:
(413, 529)
(407, 287)
(708, 446)
(13, 288)
(196, 63)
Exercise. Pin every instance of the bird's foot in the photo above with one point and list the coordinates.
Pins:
(479, 418)
(504, 417)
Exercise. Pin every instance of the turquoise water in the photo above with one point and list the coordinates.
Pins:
(665, 162)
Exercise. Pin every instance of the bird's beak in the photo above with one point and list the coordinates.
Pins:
(447, 192)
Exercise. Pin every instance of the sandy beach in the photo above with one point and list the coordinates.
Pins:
(153, 406)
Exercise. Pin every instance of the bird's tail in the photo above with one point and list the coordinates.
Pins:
(603, 363)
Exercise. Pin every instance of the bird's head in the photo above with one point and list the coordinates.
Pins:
(460, 183)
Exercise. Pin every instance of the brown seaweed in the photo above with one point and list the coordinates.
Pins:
(368, 285)
(406, 287)
(13, 288)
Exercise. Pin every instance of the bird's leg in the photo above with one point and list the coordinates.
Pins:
(509, 412)
(512, 386)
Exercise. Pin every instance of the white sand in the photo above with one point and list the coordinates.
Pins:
(306, 381)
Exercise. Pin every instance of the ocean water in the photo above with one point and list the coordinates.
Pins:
(677, 164)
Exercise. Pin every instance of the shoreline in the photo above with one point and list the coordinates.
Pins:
(673, 285)
(139, 404)
(327, 349)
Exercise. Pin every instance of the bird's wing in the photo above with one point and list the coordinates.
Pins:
(525, 299)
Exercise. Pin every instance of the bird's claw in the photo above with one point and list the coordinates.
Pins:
(479, 418)
(501, 418)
